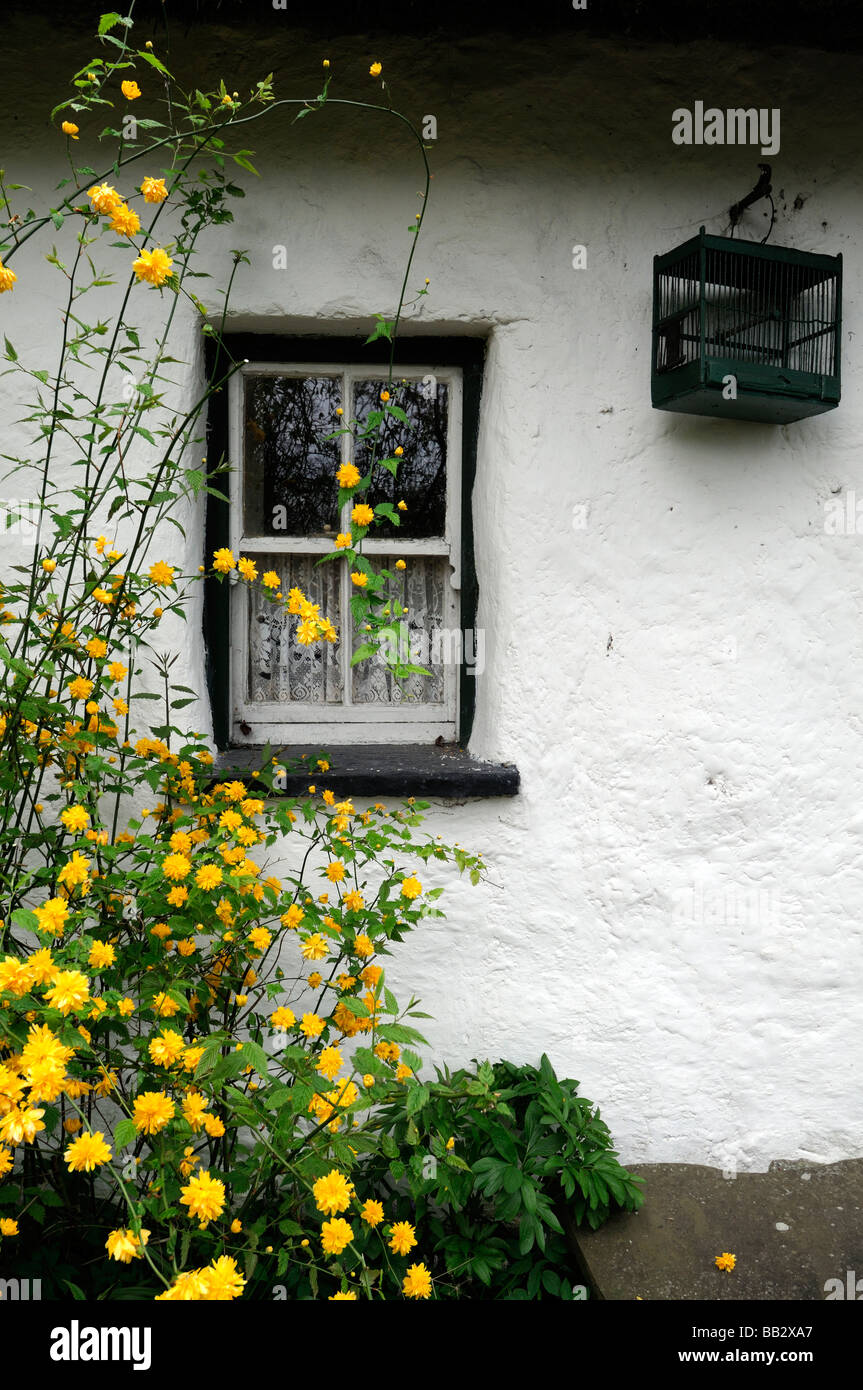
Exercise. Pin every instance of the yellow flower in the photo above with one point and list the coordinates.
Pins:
(375, 70)
(124, 220)
(152, 1111)
(75, 871)
(411, 888)
(87, 1153)
(176, 866)
(70, 128)
(402, 506)
(362, 515)
(162, 574)
(312, 1025)
(126, 1007)
(236, 1227)
(223, 561)
(293, 917)
(7, 278)
(336, 1235)
(52, 916)
(8, 1227)
(208, 876)
(194, 1105)
(400, 565)
(330, 1063)
(417, 1282)
(131, 91)
(385, 395)
(402, 1237)
(450, 1143)
(348, 475)
(372, 1213)
(361, 580)
(165, 1006)
(260, 938)
(224, 1281)
(104, 198)
(333, 1193)
(248, 569)
(353, 901)
(102, 954)
(270, 580)
(154, 190)
(344, 540)
(315, 947)
(80, 688)
(153, 266)
(69, 991)
(726, 1261)
(49, 566)
(75, 818)
(282, 1018)
(167, 1048)
(124, 1246)
(204, 1196)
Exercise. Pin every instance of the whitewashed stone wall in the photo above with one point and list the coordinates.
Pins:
(673, 643)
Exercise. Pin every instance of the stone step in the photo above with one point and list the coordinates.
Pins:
(793, 1229)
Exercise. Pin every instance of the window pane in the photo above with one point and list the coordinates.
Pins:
(421, 480)
(280, 668)
(290, 467)
(422, 589)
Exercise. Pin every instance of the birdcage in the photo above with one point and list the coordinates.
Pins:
(745, 331)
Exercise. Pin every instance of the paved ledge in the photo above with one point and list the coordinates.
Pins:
(376, 769)
(792, 1229)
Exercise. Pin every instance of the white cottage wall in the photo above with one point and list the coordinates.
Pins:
(673, 648)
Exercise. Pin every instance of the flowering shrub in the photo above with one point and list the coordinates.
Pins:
(193, 1047)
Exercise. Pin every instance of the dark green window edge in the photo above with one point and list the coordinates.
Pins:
(466, 353)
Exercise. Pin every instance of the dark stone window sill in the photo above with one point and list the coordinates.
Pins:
(381, 769)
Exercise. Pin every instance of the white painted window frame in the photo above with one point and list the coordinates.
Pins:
(345, 723)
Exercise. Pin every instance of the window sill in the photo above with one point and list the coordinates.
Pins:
(382, 770)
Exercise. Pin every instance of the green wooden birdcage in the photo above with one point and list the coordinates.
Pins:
(745, 331)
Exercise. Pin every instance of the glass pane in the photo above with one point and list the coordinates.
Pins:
(280, 668)
(421, 481)
(289, 466)
(422, 589)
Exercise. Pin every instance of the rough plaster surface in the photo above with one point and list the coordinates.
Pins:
(673, 903)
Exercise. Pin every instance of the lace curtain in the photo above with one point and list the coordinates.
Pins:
(282, 671)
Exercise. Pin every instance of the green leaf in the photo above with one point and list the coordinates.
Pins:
(24, 919)
(363, 652)
(110, 21)
(125, 1134)
(254, 1055)
(418, 1096)
(10, 351)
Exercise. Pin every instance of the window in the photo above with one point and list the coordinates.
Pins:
(283, 514)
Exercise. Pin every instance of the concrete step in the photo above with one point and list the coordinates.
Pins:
(793, 1229)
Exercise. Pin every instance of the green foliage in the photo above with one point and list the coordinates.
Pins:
(528, 1154)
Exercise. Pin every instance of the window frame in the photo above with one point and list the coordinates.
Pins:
(453, 356)
(346, 722)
